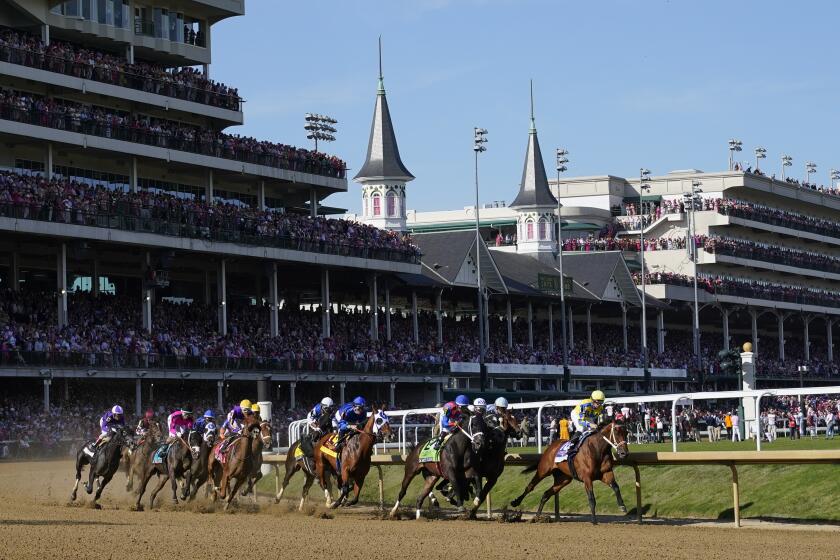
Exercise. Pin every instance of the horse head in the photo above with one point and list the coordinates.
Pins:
(508, 423)
(265, 433)
(194, 440)
(381, 423)
(475, 432)
(615, 434)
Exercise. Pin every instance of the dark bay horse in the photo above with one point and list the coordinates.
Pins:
(201, 446)
(592, 462)
(294, 464)
(456, 456)
(355, 459)
(104, 463)
(257, 446)
(489, 462)
(177, 464)
(237, 465)
(138, 458)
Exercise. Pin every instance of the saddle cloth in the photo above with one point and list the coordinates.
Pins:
(566, 450)
(298, 454)
(328, 447)
(89, 449)
(160, 454)
(222, 449)
(428, 454)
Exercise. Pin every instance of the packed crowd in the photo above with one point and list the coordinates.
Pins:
(65, 201)
(745, 249)
(783, 218)
(84, 118)
(18, 47)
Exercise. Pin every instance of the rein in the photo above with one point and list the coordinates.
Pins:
(611, 440)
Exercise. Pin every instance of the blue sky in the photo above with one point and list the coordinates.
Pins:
(621, 84)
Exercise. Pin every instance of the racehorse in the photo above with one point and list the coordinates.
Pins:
(176, 464)
(140, 455)
(238, 463)
(593, 461)
(201, 446)
(456, 457)
(294, 465)
(257, 446)
(355, 458)
(489, 461)
(104, 462)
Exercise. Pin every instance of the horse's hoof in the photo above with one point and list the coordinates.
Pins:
(623, 509)
(88, 489)
(73, 497)
(460, 509)
(515, 503)
(97, 506)
(138, 507)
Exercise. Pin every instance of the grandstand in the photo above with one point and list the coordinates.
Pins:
(141, 242)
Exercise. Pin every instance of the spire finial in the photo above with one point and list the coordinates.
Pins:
(381, 80)
(533, 123)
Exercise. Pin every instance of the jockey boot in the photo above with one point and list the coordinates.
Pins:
(438, 441)
(339, 444)
(574, 439)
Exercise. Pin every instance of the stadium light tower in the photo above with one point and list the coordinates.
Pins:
(760, 153)
(787, 161)
(810, 167)
(691, 199)
(479, 141)
(320, 127)
(644, 186)
(734, 146)
(833, 176)
(562, 160)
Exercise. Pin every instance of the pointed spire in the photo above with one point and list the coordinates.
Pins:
(383, 156)
(533, 190)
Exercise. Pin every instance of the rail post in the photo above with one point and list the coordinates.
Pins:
(556, 507)
(674, 421)
(539, 427)
(736, 497)
(638, 475)
(758, 419)
(489, 501)
(381, 488)
(276, 478)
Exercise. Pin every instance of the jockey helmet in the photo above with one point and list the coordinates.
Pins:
(501, 402)
(245, 404)
(359, 401)
(186, 412)
(209, 414)
(462, 400)
(326, 401)
(117, 409)
(598, 396)
(237, 411)
(479, 403)
(255, 408)
(150, 414)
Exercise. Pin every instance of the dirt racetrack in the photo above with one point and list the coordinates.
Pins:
(37, 521)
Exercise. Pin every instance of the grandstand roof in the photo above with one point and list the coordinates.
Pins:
(604, 273)
(445, 258)
(521, 271)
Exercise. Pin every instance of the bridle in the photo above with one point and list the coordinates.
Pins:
(612, 440)
(266, 438)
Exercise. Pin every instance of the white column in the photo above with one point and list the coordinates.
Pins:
(439, 314)
(589, 327)
(45, 34)
(341, 387)
(47, 383)
(509, 325)
(414, 321)
(438, 392)
(374, 308)
(208, 188)
(313, 203)
(292, 387)
(660, 331)
(261, 195)
(206, 68)
(780, 317)
(14, 270)
(48, 161)
(748, 367)
(221, 288)
(146, 295)
(550, 328)
(388, 313)
(806, 320)
(624, 323)
(725, 316)
(220, 387)
(530, 324)
(273, 300)
(829, 326)
(571, 327)
(132, 175)
(754, 318)
(129, 53)
(61, 277)
(326, 304)
(392, 396)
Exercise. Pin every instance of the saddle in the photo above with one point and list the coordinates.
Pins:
(222, 449)
(429, 454)
(328, 447)
(568, 451)
(159, 456)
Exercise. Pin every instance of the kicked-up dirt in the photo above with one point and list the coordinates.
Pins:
(38, 521)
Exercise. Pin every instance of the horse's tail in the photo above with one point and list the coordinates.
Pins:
(531, 468)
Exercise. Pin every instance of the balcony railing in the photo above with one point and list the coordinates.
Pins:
(107, 75)
(193, 225)
(185, 140)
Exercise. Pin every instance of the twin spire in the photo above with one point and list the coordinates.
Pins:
(383, 161)
(533, 190)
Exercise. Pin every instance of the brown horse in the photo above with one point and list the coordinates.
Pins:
(136, 460)
(294, 464)
(456, 456)
(257, 446)
(177, 463)
(593, 461)
(355, 458)
(238, 464)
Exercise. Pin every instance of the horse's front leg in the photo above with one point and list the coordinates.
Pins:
(608, 478)
(590, 494)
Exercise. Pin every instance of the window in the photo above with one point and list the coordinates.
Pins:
(377, 210)
(390, 204)
(530, 226)
(542, 229)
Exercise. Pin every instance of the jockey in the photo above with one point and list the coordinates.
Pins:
(234, 423)
(246, 406)
(145, 424)
(319, 422)
(205, 424)
(110, 419)
(255, 413)
(451, 417)
(179, 423)
(349, 415)
(585, 415)
(479, 406)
